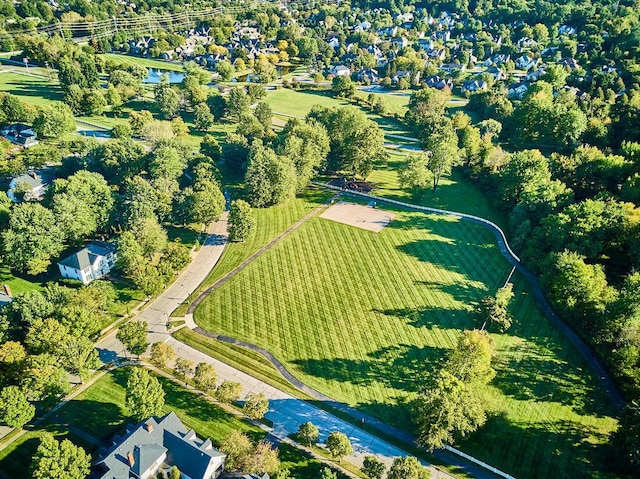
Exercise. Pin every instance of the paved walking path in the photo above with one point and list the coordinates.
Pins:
(285, 411)
(503, 245)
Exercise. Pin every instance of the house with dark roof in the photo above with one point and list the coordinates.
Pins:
(156, 445)
(92, 262)
(30, 186)
(473, 86)
(20, 134)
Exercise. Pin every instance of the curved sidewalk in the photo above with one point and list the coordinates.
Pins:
(285, 411)
(506, 251)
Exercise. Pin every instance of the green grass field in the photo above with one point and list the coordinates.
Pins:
(99, 412)
(330, 303)
(270, 223)
(453, 193)
(17, 284)
(35, 90)
(395, 102)
(144, 62)
(299, 103)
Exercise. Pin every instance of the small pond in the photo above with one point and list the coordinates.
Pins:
(155, 76)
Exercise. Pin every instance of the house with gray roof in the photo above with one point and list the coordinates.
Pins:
(92, 262)
(27, 187)
(157, 444)
(20, 134)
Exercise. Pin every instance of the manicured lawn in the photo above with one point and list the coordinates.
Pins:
(144, 62)
(366, 317)
(18, 285)
(270, 223)
(453, 193)
(395, 102)
(299, 103)
(33, 89)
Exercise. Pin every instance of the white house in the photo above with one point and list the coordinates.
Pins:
(341, 70)
(92, 262)
(155, 446)
(30, 186)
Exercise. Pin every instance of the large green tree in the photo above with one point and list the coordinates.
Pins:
(307, 144)
(237, 446)
(92, 190)
(372, 467)
(446, 409)
(241, 221)
(133, 336)
(270, 179)
(32, 239)
(144, 396)
(413, 174)
(15, 409)
(54, 120)
(255, 406)
(442, 148)
(407, 468)
(494, 310)
(167, 99)
(338, 445)
(308, 433)
(79, 355)
(59, 460)
(356, 143)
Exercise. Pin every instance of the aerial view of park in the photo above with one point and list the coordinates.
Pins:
(317, 240)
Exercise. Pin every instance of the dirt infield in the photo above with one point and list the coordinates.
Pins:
(365, 217)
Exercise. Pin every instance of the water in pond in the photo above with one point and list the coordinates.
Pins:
(251, 77)
(155, 76)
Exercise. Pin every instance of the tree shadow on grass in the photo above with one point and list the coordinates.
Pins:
(188, 402)
(452, 255)
(46, 91)
(533, 375)
(100, 420)
(402, 367)
(560, 449)
(15, 465)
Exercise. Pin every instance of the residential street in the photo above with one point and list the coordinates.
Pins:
(286, 412)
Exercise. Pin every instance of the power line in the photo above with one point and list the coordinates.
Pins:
(83, 31)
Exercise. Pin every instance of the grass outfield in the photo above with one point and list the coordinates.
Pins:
(329, 302)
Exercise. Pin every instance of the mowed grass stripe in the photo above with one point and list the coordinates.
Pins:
(365, 317)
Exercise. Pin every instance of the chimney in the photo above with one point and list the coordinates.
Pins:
(132, 461)
(148, 426)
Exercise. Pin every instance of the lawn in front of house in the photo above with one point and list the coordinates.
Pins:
(95, 415)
